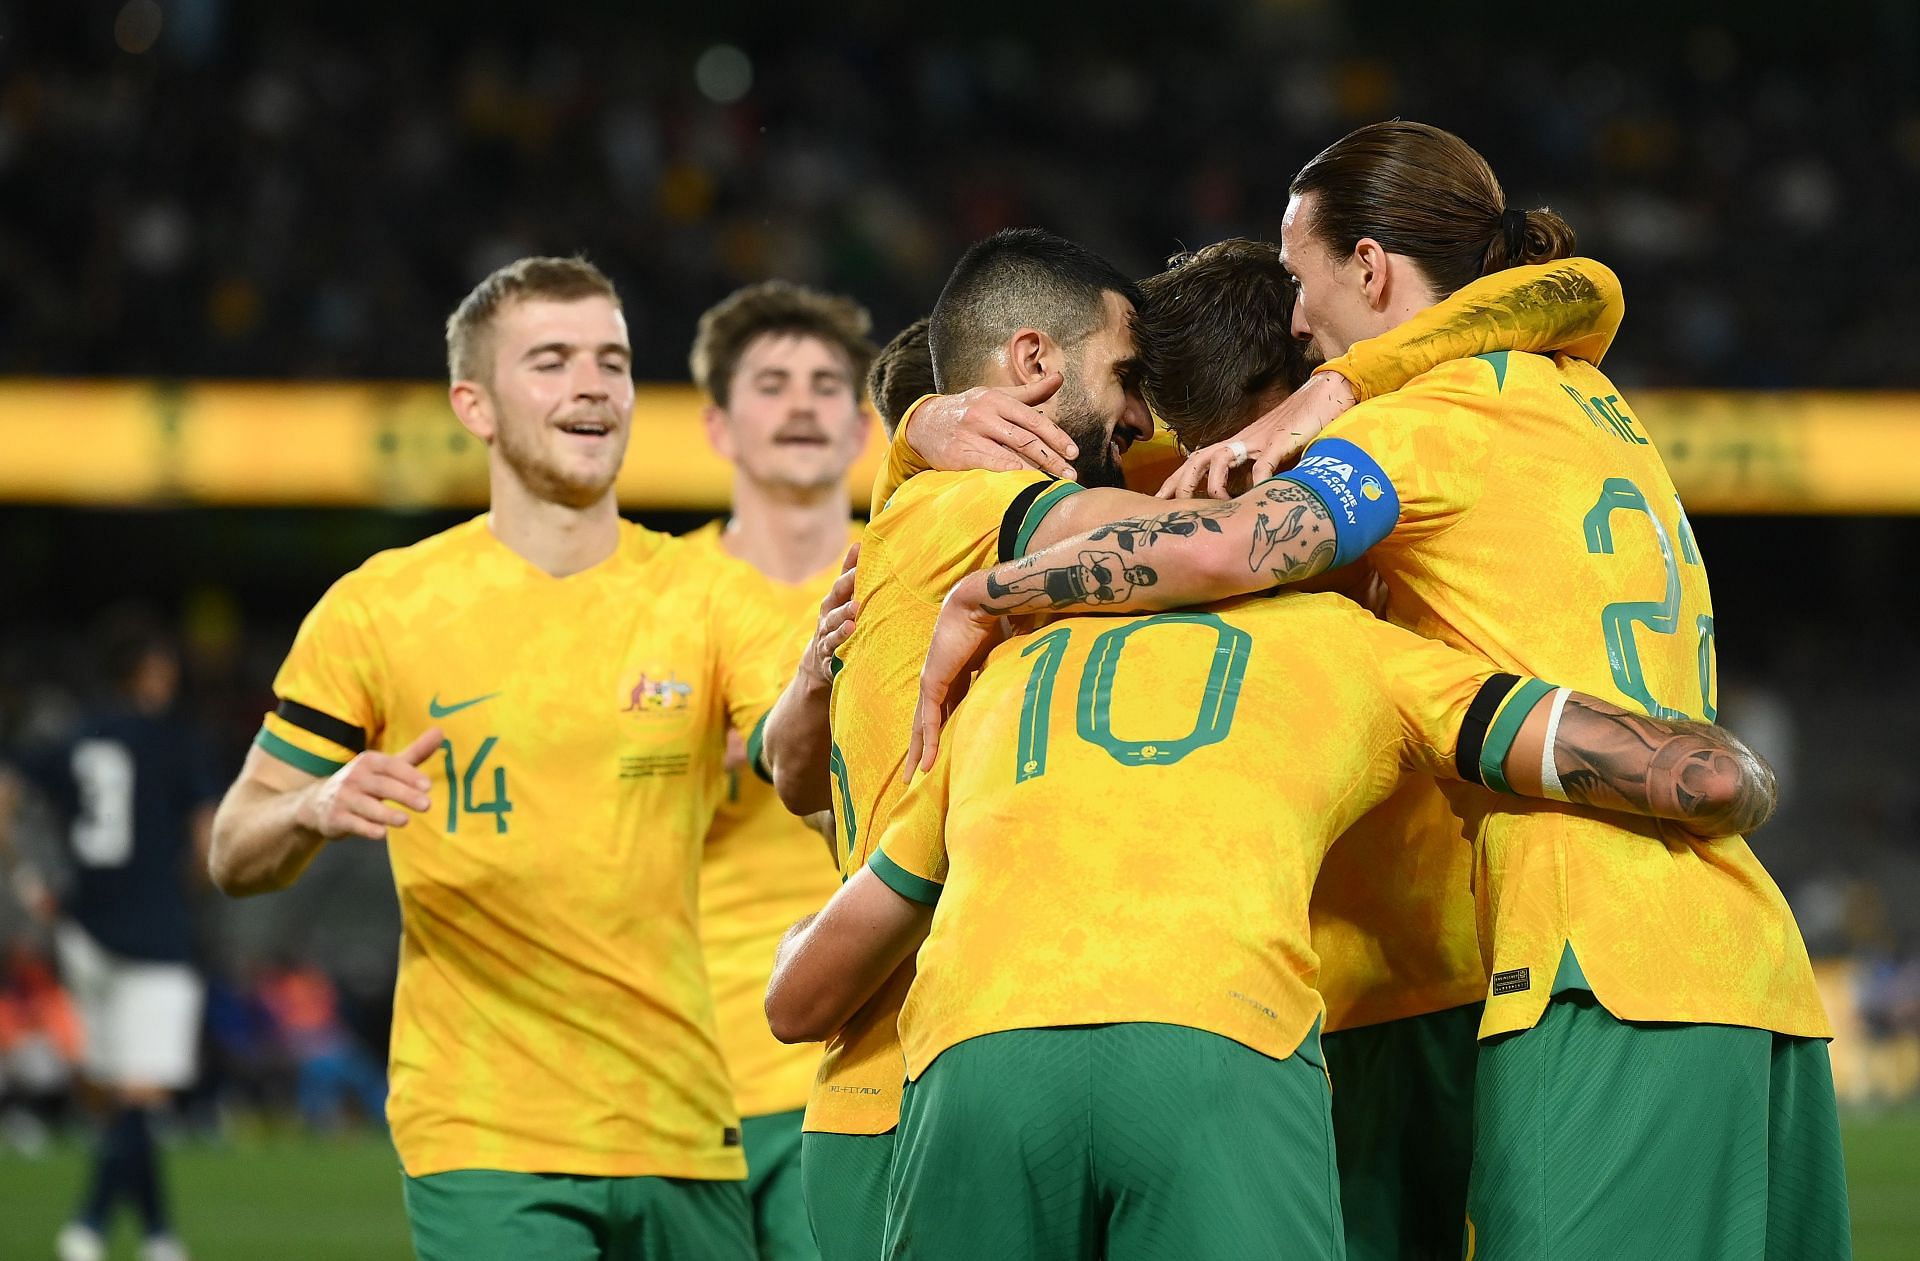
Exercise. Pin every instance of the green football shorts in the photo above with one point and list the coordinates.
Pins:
(772, 1145)
(493, 1215)
(1600, 1138)
(1403, 1128)
(845, 1176)
(1142, 1141)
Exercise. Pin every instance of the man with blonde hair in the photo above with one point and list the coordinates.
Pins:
(530, 709)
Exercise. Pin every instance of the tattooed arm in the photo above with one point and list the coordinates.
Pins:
(1278, 532)
(1696, 774)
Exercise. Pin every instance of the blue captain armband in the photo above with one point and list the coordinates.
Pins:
(1363, 502)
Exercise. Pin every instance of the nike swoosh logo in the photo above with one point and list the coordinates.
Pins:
(437, 710)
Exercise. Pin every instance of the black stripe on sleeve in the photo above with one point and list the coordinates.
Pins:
(326, 726)
(1473, 728)
(1016, 516)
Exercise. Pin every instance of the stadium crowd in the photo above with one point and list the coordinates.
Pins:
(290, 191)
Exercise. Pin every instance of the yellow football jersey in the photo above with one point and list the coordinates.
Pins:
(1393, 914)
(1539, 529)
(1573, 306)
(552, 1012)
(763, 869)
(1127, 815)
(936, 530)
(1393, 918)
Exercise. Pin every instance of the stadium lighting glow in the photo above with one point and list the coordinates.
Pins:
(723, 74)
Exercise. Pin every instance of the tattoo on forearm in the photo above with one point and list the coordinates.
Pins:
(1692, 772)
(1093, 578)
(1142, 531)
(1292, 534)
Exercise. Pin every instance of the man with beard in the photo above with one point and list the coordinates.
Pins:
(1021, 308)
(1652, 1078)
(991, 357)
(531, 708)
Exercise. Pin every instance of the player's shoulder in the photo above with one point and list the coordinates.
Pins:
(1486, 375)
(1293, 612)
(926, 496)
(411, 567)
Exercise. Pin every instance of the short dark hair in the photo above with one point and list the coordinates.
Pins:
(1018, 278)
(470, 327)
(1214, 335)
(780, 308)
(901, 373)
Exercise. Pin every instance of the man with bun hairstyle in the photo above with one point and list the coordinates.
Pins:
(1653, 1079)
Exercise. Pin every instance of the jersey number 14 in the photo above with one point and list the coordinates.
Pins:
(460, 794)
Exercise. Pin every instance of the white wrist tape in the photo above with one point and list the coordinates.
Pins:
(1549, 772)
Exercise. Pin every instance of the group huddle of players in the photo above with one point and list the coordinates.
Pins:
(1329, 855)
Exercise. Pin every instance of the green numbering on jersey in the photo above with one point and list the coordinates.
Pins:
(460, 788)
(1662, 616)
(1092, 709)
(843, 817)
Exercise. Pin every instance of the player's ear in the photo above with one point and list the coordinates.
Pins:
(1370, 258)
(1031, 354)
(474, 409)
(719, 432)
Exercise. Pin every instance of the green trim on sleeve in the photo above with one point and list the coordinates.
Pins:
(295, 756)
(903, 882)
(1037, 512)
(756, 746)
(1493, 753)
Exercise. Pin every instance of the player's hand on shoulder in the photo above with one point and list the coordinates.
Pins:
(987, 427)
(1270, 443)
(361, 798)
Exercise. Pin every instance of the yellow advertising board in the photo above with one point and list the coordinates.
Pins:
(117, 443)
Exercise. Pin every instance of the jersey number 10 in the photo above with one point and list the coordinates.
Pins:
(1093, 719)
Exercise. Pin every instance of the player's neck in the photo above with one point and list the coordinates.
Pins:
(787, 535)
(554, 538)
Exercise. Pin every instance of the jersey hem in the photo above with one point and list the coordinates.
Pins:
(729, 1168)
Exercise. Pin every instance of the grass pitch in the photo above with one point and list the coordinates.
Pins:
(307, 1199)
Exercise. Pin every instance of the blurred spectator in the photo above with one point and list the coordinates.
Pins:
(332, 1066)
(304, 191)
(39, 1049)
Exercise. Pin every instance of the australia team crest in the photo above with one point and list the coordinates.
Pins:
(659, 694)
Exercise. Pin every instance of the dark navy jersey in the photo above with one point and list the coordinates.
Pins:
(126, 786)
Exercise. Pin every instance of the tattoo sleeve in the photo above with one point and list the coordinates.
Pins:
(1274, 534)
(1292, 534)
(1694, 773)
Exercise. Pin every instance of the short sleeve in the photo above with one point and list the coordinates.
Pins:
(911, 858)
(947, 525)
(902, 462)
(1573, 307)
(329, 689)
(1430, 442)
(1458, 713)
(758, 646)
